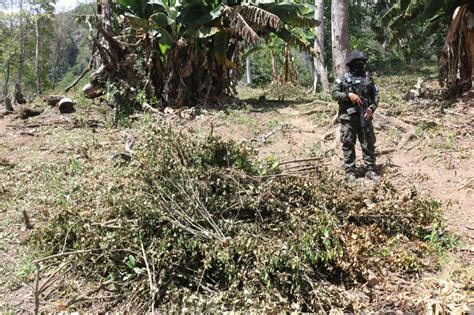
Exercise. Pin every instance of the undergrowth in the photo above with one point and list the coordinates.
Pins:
(199, 224)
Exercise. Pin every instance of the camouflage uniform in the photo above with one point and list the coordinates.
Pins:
(350, 124)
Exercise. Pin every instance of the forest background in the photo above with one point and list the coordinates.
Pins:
(45, 50)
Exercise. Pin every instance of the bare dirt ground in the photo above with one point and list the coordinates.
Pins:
(437, 160)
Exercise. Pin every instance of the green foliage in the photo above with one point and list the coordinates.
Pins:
(439, 240)
(25, 266)
(261, 68)
(61, 41)
(426, 22)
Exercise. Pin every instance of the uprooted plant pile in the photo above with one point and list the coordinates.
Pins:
(201, 224)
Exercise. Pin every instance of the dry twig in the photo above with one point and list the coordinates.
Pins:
(150, 279)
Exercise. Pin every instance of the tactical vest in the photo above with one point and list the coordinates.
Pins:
(354, 84)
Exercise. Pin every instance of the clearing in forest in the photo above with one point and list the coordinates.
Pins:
(237, 209)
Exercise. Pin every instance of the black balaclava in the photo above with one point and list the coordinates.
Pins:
(357, 67)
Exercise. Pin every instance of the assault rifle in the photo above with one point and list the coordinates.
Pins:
(361, 110)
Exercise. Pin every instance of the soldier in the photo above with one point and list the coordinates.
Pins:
(358, 97)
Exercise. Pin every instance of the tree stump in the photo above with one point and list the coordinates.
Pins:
(19, 98)
(8, 104)
(66, 106)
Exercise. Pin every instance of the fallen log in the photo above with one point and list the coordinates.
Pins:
(52, 100)
(149, 108)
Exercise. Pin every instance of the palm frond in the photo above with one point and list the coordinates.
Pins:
(294, 40)
(300, 15)
(260, 16)
(303, 22)
(240, 26)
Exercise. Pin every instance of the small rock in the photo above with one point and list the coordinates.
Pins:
(373, 280)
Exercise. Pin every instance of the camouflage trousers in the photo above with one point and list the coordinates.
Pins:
(350, 131)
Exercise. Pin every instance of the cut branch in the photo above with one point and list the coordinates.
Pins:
(89, 67)
(409, 130)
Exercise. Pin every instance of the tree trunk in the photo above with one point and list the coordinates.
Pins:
(339, 34)
(8, 64)
(309, 65)
(54, 71)
(7, 77)
(470, 47)
(321, 75)
(249, 70)
(37, 55)
(21, 61)
(18, 96)
(8, 104)
(458, 52)
(108, 16)
(274, 68)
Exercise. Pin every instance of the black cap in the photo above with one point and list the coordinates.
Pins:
(356, 55)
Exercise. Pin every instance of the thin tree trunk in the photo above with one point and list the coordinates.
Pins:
(8, 64)
(293, 71)
(339, 34)
(309, 64)
(21, 61)
(249, 70)
(7, 77)
(37, 55)
(54, 70)
(274, 68)
(321, 75)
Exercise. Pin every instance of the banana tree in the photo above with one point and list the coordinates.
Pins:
(186, 53)
(457, 55)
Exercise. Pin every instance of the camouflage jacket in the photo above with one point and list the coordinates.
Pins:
(363, 86)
